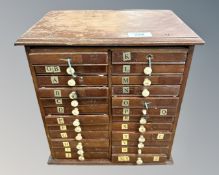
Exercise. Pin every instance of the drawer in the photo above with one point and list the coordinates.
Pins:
(85, 134)
(131, 158)
(79, 70)
(84, 119)
(73, 149)
(89, 143)
(87, 155)
(133, 136)
(150, 119)
(66, 101)
(131, 126)
(97, 127)
(150, 111)
(145, 150)
(136, 69)
(157, 143)
(155, 80)
(75, 57)
(85, 109)
(155, 90)
(140, 55)
(154, 102)
(44, 81)
(81, 92)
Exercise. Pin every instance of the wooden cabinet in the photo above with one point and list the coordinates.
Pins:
(110, 83)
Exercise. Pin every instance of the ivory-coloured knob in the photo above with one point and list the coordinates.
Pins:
(141, 139)
(75, 111)
(145, 93)
(70, 70)
(78, 137)
(80, 152)
(77, 129)
(71, 82)
(142, 129)
(139, 151)
(81, 158)
(73, 95)
(143, 121)
(147, 82)
(140, 145)
(144, 111)
(74, 103)
(139, 161)
(147, 70)
(76, 122)
(79, 145)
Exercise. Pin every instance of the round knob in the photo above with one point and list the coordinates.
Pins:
(75, 111)
(141, 145)
(78, 137)
(73, 95)
(145, 93)
(143, 121)
(81, 158)
(139, 151)
(80, 152)
(139, 161)
(79, 145)
(141, 139)
(144, 111)
(78, 129)
(142, 129)
(71, 82)
(147, 70)
(147, 82)
(76, 122)
(74, 103)
(70, 70)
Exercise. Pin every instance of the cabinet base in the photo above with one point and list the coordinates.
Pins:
(52, 161)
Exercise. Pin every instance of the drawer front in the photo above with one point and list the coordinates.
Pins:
(133, 136)
(140, 55)
(89, 143)
(155, 80)
(84, 119)
(86, 149)
(134, 150)
(97, 127)
(160, 143)
(50, 81)
(81, 92)
(154, 102)
(132, 158)
(72, 134)
(87, 155)
(66, 101)
(79, 69)
(154, 90)
(150, 111)
(85, 109)
(75, 58)
(150, 118)
(130, 126)
(128, 69)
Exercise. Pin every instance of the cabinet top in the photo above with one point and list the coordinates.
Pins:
(110, 28)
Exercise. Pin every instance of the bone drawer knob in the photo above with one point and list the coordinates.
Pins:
(70, 70)
(78, 137)
(147, 70)
(139, 161)
(74, 103)
(78, 129)
(73, 95)
(145, 93)
(71, 82)
(76, 122)
(147, 82)
(141, 139)
(142, 129)
(75, 111)
(143, 121)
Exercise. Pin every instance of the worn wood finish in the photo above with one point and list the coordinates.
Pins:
(110, 27)
(109, 56)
